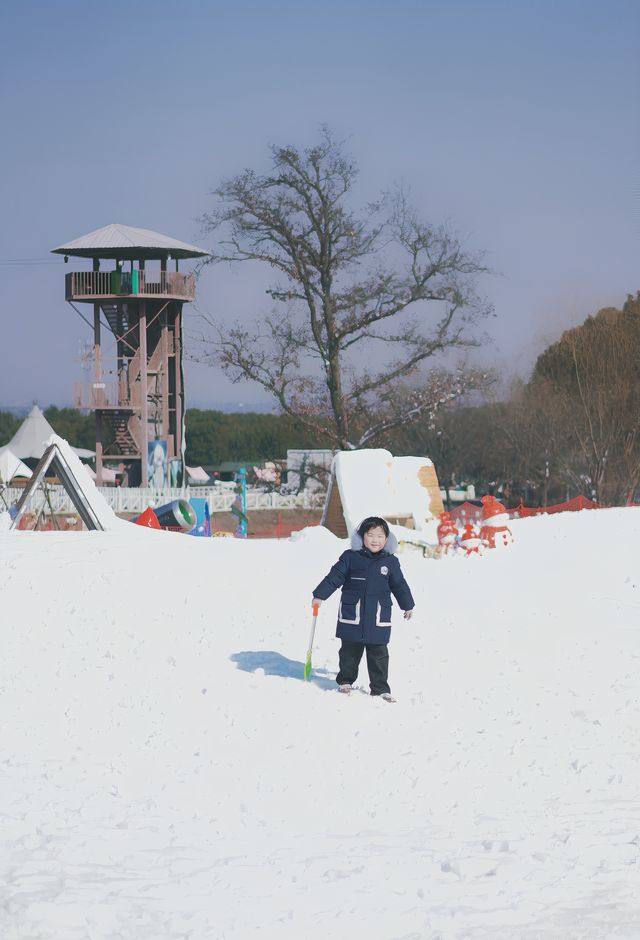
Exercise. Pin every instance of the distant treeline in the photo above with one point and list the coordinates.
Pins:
(216, 436)
(572, 428)
(212, 436)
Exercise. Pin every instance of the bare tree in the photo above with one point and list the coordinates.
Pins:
(422, 404)
(536, 436)
(347, 283)
(587, 386)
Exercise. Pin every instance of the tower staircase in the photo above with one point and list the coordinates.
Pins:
(111, 315)
(122, 426)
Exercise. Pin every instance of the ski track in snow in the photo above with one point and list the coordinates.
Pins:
(165, 773)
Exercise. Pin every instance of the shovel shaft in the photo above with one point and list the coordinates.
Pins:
(307, 665)
(313, 628)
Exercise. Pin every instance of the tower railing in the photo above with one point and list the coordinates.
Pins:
(87, 396)
(138, 283)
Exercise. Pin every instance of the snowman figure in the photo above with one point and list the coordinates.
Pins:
(447, 533)
(470, 541)
(495, 531)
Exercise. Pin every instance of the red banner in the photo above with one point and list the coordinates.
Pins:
(571, 505)
(469, 512)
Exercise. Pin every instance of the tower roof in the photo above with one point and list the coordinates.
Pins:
(125, 242)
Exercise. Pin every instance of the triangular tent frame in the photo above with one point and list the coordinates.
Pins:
(55, 460)
(3, 487)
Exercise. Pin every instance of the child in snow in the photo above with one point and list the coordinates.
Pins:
(368, 574)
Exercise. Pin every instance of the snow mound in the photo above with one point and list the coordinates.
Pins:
(315, 535)
(167, 773)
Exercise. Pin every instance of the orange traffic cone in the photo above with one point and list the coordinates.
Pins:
(148, 518)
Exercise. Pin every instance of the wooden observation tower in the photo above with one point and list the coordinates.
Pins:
(138, 398)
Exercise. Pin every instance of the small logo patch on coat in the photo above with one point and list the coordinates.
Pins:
(384, 570)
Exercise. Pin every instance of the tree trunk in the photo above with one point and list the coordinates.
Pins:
(334, 381)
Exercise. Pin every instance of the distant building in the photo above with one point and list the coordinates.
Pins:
(308, 469)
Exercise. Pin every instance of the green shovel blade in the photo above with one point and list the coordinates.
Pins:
(307, 666)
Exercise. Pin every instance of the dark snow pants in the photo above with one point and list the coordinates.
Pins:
(377, 664)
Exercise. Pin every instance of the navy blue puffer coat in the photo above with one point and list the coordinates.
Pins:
(367, 582)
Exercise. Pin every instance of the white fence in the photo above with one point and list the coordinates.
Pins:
(126, 499)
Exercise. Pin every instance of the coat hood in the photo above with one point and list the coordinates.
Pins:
(391, 545)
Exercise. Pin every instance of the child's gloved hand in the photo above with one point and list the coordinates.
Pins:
(407, 614)
(315, 602)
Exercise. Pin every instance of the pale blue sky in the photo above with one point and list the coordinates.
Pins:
(514, 122)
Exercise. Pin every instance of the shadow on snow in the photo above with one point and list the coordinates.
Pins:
(275, 664)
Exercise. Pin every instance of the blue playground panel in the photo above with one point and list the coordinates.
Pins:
(203, 517)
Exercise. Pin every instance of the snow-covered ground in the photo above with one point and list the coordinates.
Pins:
(166, 773)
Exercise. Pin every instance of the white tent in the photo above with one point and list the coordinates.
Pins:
(108, 475)
(30, 440)
(196, 475)
(11, 466)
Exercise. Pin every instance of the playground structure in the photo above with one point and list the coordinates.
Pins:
(138, 400)
(60, 459)
(60, 473)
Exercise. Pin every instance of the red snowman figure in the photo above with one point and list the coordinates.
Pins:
(471, 541)
(495, 531)
(447, 533)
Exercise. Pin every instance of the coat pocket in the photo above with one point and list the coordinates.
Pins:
(383, 614)
(349, 610)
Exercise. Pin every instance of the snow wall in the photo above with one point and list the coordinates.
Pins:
(375, 483)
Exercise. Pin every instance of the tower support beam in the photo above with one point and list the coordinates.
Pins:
(144, 395)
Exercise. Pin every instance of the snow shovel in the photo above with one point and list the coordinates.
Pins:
(307, 665)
